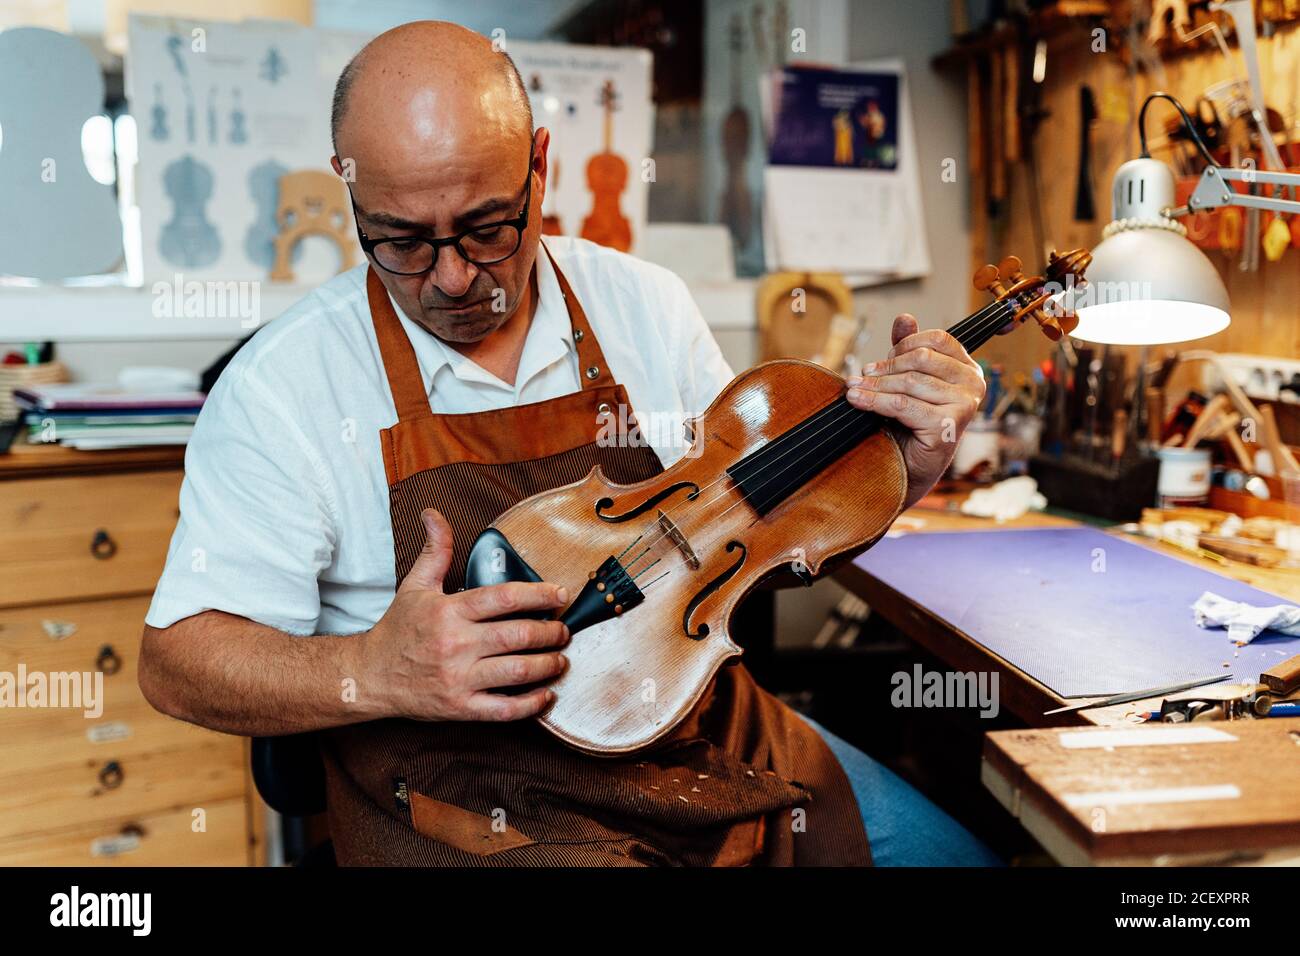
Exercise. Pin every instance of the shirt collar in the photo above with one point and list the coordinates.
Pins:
(549, 339)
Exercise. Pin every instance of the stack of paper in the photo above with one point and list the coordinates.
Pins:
(93, 416)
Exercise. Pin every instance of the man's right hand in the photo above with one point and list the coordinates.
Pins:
(436, 656)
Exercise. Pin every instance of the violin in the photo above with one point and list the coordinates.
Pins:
(783, 474)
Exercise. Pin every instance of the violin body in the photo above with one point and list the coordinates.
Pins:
(634, 677)
(606, 179)
(606, 224)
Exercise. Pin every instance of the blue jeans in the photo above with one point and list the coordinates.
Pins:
(903, 827)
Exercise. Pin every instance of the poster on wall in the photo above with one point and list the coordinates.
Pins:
(844, 196)
(596, 103)
(834, 118)
(224, 112)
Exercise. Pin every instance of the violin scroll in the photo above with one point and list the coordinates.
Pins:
(1006, 280)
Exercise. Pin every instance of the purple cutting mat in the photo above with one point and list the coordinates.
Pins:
(1034, 598)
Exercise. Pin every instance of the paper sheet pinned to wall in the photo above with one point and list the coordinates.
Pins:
(865, 223)
(832, 220)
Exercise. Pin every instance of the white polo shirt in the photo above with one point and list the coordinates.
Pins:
(284, 508)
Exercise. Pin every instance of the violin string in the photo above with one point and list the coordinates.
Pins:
(983, 323)
(985, 320)
(980, 319)
(988, 319)
(845, 443)
(841, 413)
(838, 416)
(645, 587)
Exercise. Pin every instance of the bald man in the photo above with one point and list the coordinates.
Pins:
(353, 450)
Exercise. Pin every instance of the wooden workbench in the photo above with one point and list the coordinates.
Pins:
(1020, 693)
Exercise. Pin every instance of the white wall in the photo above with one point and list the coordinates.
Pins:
(915, 31)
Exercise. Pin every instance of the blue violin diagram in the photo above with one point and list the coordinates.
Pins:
(189, 239)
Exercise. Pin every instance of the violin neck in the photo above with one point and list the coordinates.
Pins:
(976, 329)
(770, 474)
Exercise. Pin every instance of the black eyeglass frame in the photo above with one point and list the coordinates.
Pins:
(518, 223)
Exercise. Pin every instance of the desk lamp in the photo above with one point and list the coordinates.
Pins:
(1148, 284)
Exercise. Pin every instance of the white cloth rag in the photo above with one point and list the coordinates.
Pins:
(1245, 621)
(1005, 501)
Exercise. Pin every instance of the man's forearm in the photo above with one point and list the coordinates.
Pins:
(230, 674)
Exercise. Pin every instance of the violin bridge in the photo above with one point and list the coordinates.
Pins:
(675, 535)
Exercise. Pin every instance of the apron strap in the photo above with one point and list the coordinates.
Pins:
(400, 363)
(403, 368)
(593, 370)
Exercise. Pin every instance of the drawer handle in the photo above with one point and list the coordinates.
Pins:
(127, 840)
(111, 775)
(108, 661)
(102, 545)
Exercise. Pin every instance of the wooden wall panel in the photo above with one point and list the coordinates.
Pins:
(1265, 304)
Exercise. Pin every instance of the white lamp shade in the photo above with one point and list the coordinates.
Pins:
(1150, 286)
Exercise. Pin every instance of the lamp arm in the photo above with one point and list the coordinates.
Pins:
(1213, 192)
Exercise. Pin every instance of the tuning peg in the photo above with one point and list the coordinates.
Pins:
(1051, 328)
(987, 280)
(1010, 269)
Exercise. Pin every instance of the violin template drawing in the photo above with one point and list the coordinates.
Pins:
(264, 188)
(607, 178)
(189, 239)
(783, 475)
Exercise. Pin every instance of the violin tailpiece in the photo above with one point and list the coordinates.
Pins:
(609, 591)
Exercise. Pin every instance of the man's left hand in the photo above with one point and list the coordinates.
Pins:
(932, 387)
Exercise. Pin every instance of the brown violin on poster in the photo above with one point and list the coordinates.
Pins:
(782, 475)
(607, 178)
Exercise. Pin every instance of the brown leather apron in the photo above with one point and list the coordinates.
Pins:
(743, 781)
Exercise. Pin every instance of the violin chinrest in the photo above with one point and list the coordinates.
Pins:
(493, 560)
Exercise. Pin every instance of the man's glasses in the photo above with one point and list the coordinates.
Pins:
(483, 245)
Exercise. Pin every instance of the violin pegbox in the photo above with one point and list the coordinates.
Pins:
(1007, 280)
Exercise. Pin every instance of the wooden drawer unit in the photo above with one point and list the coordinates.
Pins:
(169, 838)
(80, 635)
(115, 786)
(122, 734)
(89, 536)
(83, 538)
(77, 636)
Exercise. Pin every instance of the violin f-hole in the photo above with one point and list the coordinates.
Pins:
(710, 588)
(645, 506)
